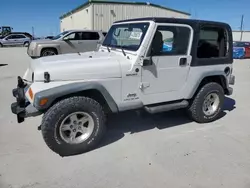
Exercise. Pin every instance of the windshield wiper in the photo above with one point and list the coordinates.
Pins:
(108, 48)
(123, 51)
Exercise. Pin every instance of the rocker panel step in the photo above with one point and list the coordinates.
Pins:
(166, 107)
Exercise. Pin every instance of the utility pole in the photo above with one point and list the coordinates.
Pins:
(241, 27)
(33, 32)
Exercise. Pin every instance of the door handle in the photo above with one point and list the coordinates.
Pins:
(183, 61)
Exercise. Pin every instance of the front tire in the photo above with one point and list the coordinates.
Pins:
(207, 104)
(73, 126)
(48, 52)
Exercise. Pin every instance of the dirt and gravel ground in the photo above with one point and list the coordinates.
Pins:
(164, 150)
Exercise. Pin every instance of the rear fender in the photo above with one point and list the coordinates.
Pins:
(220, 75)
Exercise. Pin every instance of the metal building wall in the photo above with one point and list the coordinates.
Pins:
(106, 14)
(245, 36)
(81, 19)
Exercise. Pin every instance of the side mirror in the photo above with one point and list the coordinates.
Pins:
(147, 61)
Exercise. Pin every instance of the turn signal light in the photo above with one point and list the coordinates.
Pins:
(31, 93)
(43, 101)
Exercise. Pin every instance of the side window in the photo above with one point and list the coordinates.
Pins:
(171, 40)
(247, 45)
(20, 37)
(104, 34)
(74, 36)
(10, 37)
(90, 36)
(213, 43)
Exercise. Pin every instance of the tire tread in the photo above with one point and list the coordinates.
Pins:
(47, 128)
(193, 109)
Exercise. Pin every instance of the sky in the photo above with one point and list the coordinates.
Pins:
(44, 15)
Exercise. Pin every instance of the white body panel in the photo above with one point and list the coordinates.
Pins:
(89, 65)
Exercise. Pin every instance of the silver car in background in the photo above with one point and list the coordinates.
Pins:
(71, 41)
(15, 40)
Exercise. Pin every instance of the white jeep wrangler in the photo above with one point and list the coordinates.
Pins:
(155, 64)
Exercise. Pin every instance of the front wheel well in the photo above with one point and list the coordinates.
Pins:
(91, 93)
(49, 48)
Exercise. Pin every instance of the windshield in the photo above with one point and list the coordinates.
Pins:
(60, 35)
(126, 36)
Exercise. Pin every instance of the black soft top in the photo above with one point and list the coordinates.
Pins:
(196, 25)
(191, 22)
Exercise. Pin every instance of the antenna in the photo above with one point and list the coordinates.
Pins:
(33, 32)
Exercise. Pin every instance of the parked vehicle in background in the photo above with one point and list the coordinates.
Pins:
(73, 41)
(241, 50)
(104, 33)
(23, 33)
(15, 40)
(49, 37)
(5, 30)
(131, 70)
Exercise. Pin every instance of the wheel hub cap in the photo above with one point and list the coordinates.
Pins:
(76, 128)
(211, 104)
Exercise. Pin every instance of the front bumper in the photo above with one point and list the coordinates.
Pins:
(32, 53)
(22, 107)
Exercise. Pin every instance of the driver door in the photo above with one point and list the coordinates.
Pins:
(165, 71)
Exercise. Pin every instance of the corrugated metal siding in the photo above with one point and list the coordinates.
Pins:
(79, 20)
(245, 36)
(106, 14)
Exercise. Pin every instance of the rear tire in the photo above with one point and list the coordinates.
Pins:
(59, 132)
(48, 52)
(207, 104)
(1, 45)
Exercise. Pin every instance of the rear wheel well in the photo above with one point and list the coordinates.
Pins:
(49, 48)
(218, 79)
(92, 93)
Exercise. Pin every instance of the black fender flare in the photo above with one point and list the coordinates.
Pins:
(64, 90)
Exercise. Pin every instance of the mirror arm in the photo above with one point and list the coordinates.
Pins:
(147, 61)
